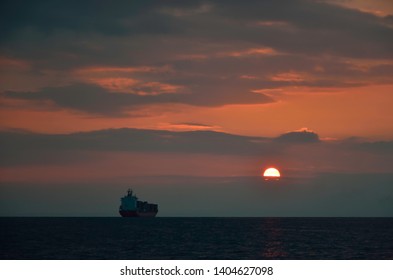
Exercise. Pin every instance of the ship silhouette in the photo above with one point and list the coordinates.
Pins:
(132, 207)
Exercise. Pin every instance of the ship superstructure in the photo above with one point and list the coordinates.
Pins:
(132, 207)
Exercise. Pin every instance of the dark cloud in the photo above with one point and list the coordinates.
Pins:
(89, 16)
(304, 136)
(318, 27)
(96, 100)
(209, 46)
(314, 26)
(381, 147)
(26, 148)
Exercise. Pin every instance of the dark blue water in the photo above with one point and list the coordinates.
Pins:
(196, 238)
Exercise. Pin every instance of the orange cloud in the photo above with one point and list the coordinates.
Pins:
(15, 64)
(116, 84)
(156, 88)
(250, 52)
(118, 79)
(132, 86)
(188, 127)
(303, 129)
(288, 77)
(268, 91)
(105, 69)
(379, 8)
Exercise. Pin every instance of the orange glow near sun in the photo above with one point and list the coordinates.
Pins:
(271, 173)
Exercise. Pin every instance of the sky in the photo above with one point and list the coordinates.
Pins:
(189, 101)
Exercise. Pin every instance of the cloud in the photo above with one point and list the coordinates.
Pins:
(127, 85)
(288, 77)
(381, 8)
(294, 150)
(295, 26)
(250, 52)
(87, 71)
(380, 147)
(127, 79)
(8, 64)
(207, 52)
(101, 100)
(81, 97)
(301, 136)
(31, 147)
(188, 126)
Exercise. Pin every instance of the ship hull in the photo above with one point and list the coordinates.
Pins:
(136, 214)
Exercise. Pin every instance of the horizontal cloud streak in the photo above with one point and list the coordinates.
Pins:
(298, 151)
(96, 100)
(315, 27)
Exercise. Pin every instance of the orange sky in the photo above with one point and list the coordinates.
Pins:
(341, 87)
(338, 113)
(272, 74)
(132, 91)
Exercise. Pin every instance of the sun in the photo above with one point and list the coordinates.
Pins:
(271, 173)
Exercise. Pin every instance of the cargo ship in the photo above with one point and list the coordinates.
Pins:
(132, 207)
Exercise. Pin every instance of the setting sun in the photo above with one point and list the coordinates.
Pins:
(271, 173)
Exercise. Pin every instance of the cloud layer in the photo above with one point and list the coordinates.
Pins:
(109, 59)
(160, 152)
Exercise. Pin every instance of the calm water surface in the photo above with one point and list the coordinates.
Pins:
(196, 238)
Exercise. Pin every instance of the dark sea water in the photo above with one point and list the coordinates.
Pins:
(196, 238)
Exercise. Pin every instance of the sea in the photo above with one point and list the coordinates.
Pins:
(196, 238)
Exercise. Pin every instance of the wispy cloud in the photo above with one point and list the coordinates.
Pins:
(250, 52)
(7, 64)
(288, 77)
(121, 79)
(188, 126)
